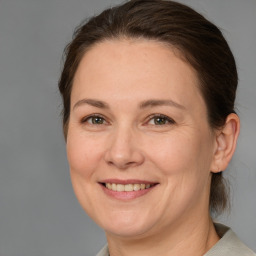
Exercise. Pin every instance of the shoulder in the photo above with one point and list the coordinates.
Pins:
(229, 244)
(103, 251)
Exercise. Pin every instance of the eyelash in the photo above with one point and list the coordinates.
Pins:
(85, 119)
(169, 120)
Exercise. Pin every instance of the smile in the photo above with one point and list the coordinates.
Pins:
(127, 187)
(126, 190)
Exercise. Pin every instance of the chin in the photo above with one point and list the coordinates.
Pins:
(126, 225)
(126, 231)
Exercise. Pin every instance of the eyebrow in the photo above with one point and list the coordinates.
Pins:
(144, 104)
(92, 102)
(155, 103)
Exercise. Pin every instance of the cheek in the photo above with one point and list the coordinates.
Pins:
(83, 154)
(184, 155)
(175, 150)
(183, 163)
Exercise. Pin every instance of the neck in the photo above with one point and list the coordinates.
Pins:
(194, 238)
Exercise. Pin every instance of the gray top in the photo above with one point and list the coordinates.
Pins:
(228, 245)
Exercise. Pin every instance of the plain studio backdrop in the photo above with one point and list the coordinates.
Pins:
(39, 214)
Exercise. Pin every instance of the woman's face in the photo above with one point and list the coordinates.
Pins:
(139, 145)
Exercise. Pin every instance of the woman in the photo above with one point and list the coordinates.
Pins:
(148, 90)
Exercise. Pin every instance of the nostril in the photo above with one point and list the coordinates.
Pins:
(123, 158)
(122, 165)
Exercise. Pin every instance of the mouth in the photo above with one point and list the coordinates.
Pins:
(127, 187)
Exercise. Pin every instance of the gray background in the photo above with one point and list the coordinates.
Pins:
(39, 214)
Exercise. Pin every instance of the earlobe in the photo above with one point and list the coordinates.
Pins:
(226, 139)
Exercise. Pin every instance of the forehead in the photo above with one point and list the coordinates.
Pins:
(137, 68)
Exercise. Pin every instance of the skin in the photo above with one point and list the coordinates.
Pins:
(126, 141)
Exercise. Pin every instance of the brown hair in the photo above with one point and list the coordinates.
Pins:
(199, 41)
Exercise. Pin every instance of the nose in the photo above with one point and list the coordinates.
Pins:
(123, 151)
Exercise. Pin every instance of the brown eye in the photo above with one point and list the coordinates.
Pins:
(97, 120)
(161, 120)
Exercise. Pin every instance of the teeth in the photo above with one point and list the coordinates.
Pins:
(127, 187)
(119, 187)
(113, 187)
(142, 186)
(136, 187)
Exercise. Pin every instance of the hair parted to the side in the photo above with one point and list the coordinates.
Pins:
(199, 42)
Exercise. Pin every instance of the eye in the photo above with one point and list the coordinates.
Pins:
(94, 120)
(159, 119)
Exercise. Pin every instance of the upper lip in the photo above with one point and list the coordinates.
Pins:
(128, 181)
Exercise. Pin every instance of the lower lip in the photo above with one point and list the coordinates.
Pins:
(125, 195)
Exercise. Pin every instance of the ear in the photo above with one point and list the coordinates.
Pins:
(225, 143)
